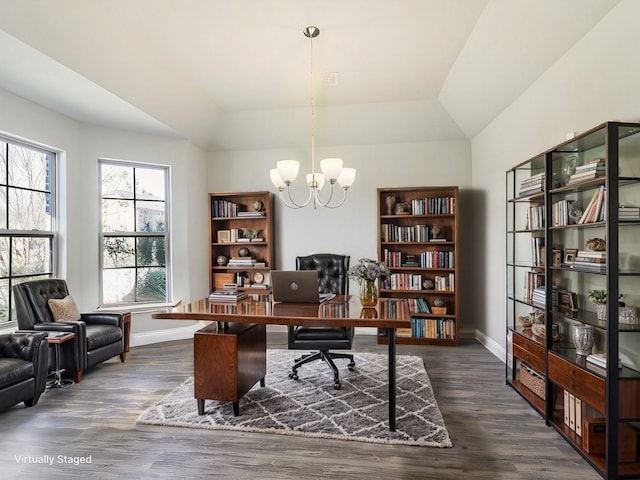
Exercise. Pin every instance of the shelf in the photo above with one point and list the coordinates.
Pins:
(416, 225)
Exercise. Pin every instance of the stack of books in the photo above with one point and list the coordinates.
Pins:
(600, 360)
(539, 297)
(251, 214)
(595, 168)
(588, 260)
(532, 185)
(628, 213)
(244, 262)
(227, 295)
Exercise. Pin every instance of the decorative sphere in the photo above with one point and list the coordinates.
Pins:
(222, 260)
(257, 205)
(243, 252)
(439, 302)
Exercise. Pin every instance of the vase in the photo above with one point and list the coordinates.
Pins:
(368, 293)
(583, 338)
(601, 311)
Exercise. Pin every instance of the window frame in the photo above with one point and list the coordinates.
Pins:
(52, 235)
(135, 234)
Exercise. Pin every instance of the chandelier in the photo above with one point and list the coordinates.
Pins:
(332, 170)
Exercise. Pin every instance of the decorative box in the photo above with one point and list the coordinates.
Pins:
(627, 315)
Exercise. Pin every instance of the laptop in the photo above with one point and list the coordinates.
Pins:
(297, 286)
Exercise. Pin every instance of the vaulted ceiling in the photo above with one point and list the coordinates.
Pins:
(234, 75)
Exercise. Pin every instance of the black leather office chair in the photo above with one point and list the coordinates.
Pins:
(332, 278)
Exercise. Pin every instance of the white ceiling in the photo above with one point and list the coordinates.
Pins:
(234, 75)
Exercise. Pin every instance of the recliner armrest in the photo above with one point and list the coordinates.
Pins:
(95, 318)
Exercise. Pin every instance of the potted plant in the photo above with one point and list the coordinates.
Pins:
(599, 297)
(366, 271)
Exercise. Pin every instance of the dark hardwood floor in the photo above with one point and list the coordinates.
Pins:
(495, 434)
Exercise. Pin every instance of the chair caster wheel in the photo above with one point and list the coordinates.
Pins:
(293, 375)
(351, 367)
(337, 386)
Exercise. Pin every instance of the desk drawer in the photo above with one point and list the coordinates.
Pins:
(578, 381)
(529, 351)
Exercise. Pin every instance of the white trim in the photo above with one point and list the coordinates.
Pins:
(167, 335)
(491, 345)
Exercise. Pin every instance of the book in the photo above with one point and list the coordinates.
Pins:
(260, 286)
(227, 295)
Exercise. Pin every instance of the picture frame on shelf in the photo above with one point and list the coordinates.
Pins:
(568, 303)
(556, 257)
(570, 255)
(224, 236)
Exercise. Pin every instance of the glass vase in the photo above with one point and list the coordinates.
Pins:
(368, 293)
(583, 337)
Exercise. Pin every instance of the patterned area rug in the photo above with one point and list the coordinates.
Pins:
(311, 407)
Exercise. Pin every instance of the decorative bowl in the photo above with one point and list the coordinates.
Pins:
(525, 321)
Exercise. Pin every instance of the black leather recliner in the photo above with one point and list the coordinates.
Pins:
(23, 368)
(99, 336)
(332, 278)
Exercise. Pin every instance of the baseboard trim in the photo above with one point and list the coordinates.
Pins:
(494, 347)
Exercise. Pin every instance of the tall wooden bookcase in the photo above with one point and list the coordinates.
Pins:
(418, 241)
(236, 216)
(571, 229)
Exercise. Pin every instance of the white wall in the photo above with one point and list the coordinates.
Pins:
(595, 81)
(350, 229)
(81, 146)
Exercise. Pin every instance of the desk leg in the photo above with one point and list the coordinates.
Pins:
(391, 337)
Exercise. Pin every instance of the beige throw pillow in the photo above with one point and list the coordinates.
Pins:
(64, 310)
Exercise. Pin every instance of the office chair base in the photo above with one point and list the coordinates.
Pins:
(326, 357)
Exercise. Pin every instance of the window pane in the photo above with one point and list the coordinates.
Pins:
(151, 251)
(117, 216)
(4, 300)
(150, 216)
(4, 257)
(118, 252)
(29, 168)
(150, 184)
(152, 285)
(118, 286)
(117, 181)
(3, 163)
(30, 255)
(3, 207)
(29, 210)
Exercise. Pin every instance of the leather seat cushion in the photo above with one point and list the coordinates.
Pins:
(14, 370)
(320, 333)
(101, 335)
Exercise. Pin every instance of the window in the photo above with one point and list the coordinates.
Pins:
(27, 216)
(134, 240)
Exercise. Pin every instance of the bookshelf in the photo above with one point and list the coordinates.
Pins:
(586, 369)
(241, 240)
(417, 240)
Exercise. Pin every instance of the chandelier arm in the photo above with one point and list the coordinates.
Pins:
(292, 203)
(327, 203)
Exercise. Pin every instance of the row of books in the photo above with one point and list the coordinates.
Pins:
(586, 259)
(538, 299)
(573, 412)
(537, 251)
(562, 213)
(224, 208)
(399, 233)
(418, 305)
(533, 279)
(433, 206)
(596, 208)
(429, 259)
(532, 185)
(534, 217)
(410, 281)
(438, 328)
(593, 169)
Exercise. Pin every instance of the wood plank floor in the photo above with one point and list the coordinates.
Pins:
(495, 434)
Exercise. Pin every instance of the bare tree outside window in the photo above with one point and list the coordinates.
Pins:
(26, 217)
(133, 237)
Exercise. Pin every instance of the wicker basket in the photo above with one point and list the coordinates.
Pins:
(532, 380)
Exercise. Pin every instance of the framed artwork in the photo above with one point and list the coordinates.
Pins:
(570, 255)
(224, 236)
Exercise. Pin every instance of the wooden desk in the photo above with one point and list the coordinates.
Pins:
(341, 311)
